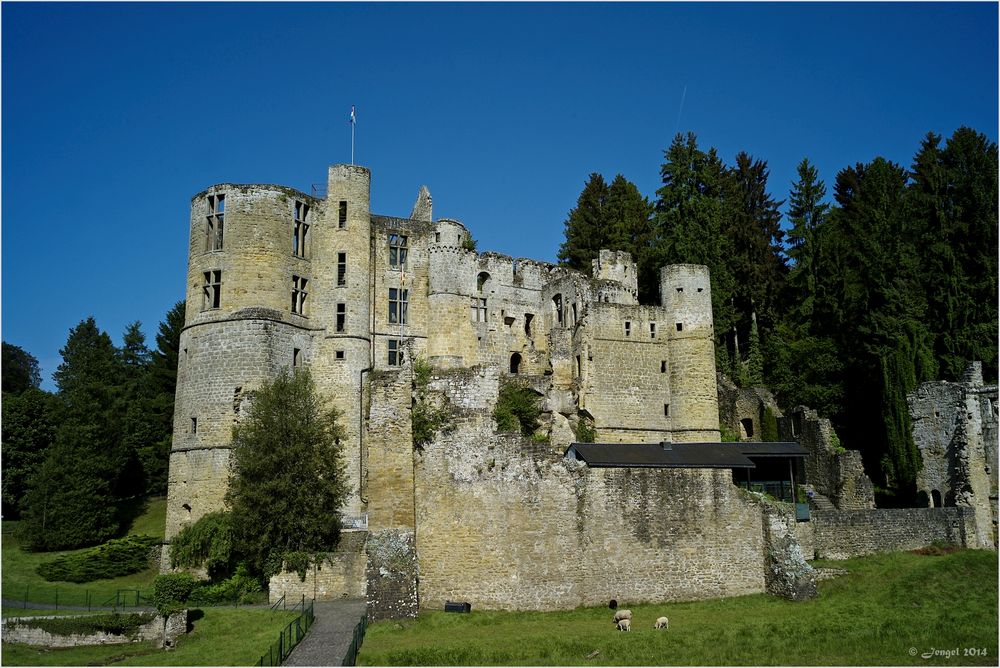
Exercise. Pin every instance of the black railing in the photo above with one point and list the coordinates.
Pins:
(290, 636)
(351, 658)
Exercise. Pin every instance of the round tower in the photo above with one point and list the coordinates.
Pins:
(685, 293)
(240, 329)
(453, 297)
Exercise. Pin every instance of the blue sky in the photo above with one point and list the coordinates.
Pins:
(114, 115)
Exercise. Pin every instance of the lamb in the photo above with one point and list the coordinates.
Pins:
(661, 623)
(624, 625)
(622, 614)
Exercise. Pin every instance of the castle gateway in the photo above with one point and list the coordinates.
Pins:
(278, 278)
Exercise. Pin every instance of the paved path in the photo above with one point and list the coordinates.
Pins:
(331, 634)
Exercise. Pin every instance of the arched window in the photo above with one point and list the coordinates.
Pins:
(936, 498)
(482, 282)
(746, 426)
(515, 363)
(557, 305)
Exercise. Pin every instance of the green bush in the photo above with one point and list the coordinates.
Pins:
(242, 587)
(116, 624)
(769, 427)
(122, 556)
(171, 591)
(517, 409)
(585, 432)
(207, 543)
(727, 435)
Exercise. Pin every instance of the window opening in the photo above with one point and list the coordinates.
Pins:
(747, 424)
(515, 363)
(216, 218)
(212, 289)
(296, 357)
(652, 330)
(680, 327)
(936, 498)
(397, 251)
(341, 316)
(482, 281)
(395, 352)
(338, 354)
(663, 366)
(528, 317)
(666, 410)
(579, 366)
(299, 294)
(680, 289)
(398, 303)
(479, 309)
(557, 305)
(341, 269)
(194, 425)
(574, 315)
(628, 328)
(342, 215)
(300, 229)
(437, 237)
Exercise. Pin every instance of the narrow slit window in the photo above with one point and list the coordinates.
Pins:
(398, 304)
(212, 289)
(398, 250)
(341, 269)
(299, 294)
(579, 366)
(300, 229)
(216, 220)
(652, 330)
(666, 410)
(341, 317)
(194, 425)
(437, 237)
(663, 366)
(628, 328)
(296, 357)
(342, 214)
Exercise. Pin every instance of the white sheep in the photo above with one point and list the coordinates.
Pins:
(622, 614)
(661, 623)
(624, 625)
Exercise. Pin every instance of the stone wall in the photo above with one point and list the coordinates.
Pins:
(341, 574)
(21, 630)
(504, 523)
(392, 575)
(841, 534)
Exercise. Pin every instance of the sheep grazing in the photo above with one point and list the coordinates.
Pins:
(622, 614)
(661, 623)
(624, 625)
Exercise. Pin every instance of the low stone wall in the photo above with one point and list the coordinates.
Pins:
(340, 575)
(20, 630)
(841, 534)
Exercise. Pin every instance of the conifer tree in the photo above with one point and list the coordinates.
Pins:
(586, 227)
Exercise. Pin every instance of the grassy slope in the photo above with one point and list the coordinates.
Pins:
(223, 637)
(19, 566)
(873, 616)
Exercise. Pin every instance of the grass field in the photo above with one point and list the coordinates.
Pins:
(20, 581)
(223, 637)
(889, 610)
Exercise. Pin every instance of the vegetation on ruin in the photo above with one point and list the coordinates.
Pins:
(221, 636)
(75, 458)
(208, 544)
(518, 408)
(585, 432)
(287, 479)
(886, 605)
(426, 418)
(890, 284)
(126, 624)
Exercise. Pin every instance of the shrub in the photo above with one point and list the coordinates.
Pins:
(207, 543)
(769, 427)
(122, 556)
(727, 435)
(425, 419)
(171, 591)
(116, 624)
(242, 587)
(585, 432)
(517, 408)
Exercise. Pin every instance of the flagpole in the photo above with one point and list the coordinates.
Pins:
(352, 143)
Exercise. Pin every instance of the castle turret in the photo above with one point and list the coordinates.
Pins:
(685, 293)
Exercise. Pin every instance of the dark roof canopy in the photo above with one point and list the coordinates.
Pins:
(680, 455)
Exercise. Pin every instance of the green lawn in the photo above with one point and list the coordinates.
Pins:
(887, 605)
(223, 637)
(20, 581)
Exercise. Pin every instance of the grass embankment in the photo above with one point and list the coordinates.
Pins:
(885, 606)
(222, 637)
(20, 581)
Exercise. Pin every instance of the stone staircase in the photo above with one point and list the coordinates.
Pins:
(820, 502)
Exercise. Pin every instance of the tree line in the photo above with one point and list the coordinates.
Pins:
(73, 459)
(847, 307)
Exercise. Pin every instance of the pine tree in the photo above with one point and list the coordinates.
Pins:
(806, 213)
(628, 218)
(19, 369)
(28, 431)
(586, 227)
(162, 380)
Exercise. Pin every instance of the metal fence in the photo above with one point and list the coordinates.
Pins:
(290, 636)
(351, 658)
(54, 598)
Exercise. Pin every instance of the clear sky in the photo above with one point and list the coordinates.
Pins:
(114, 115)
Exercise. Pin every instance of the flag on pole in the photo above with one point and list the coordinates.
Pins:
(353, 120)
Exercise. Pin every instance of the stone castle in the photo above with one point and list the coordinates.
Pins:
(278, 278)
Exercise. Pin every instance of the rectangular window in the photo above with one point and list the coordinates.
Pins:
(212, 290)
(652, 330)
(478, 309)
(437, 237)
(338, 355)
(663, 366)
(296, 357)
(216, 216)
(342, 215)
(395, 352)
(666, 410)
(341, 317)
(300, 229)
(628, 328)
(299, 294)
(398, 306)
(341, 269)
(194, 425)
(579, 366)
(528, 317)
(397, 251)
(680, 327)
